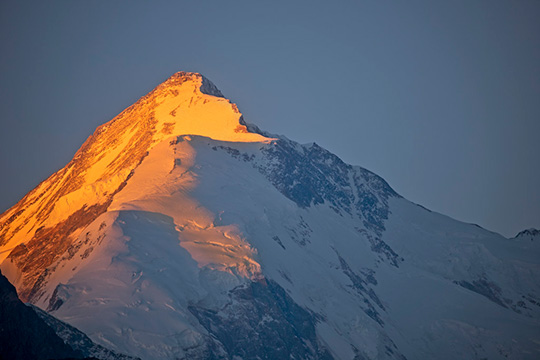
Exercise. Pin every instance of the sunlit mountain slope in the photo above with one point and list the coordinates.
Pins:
(180, 231)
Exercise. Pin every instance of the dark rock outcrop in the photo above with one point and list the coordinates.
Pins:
(263, 322)
(23, 334)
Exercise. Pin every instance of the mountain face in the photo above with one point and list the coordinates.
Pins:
(179, 231)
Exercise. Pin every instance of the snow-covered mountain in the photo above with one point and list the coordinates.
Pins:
(180, 231)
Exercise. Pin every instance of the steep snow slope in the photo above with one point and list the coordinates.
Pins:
(179, 231)
(75, 195)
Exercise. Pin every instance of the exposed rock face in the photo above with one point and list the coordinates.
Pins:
(310, 175)
(179, 231)
(262, 321)
(529, 234)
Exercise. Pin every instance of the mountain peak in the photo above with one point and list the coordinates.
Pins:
(187, 103)
(180, 232)
(206, 86)
(528, 234)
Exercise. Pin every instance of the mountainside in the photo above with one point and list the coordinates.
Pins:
(180, 231)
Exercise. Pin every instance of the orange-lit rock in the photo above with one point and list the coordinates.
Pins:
(39, 229)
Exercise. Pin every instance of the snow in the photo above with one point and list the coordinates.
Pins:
(176, 107)
(196, 218)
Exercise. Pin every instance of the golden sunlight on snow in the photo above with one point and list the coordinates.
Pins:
(162, 184)
(185, 109)
(132, 162)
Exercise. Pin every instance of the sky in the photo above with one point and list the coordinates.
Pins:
(440, 98)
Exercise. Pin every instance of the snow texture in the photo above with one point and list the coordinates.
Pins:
(215, 240)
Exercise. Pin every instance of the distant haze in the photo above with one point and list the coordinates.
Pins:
(441, 99)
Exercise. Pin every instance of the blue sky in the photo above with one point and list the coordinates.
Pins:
(442, 98)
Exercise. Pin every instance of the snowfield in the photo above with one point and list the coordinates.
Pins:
(181, 232)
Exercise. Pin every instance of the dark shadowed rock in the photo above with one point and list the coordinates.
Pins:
(23, 334)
